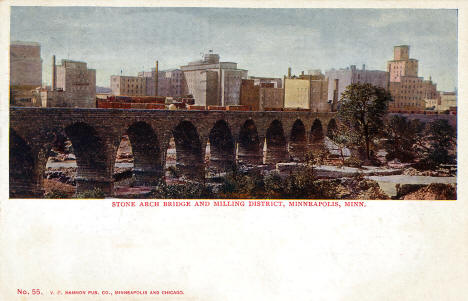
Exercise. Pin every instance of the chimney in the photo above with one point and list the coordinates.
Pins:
(289, 72)
(302, 73)
(156, 75)
(54, 75)
(363, 67)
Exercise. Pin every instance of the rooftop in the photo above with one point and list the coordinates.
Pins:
(25, 43)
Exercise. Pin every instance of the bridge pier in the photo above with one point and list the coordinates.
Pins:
(190, 152)
(275, 154)
(298, 150)
(250, 154)
(222, 151)
(190, 165)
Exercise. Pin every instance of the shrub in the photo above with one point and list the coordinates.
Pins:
(56, 194)
(173, 171)
(274, 185)
(187, 190)
(353, 162)
(96, 193)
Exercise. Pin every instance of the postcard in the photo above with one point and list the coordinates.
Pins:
(226, 151)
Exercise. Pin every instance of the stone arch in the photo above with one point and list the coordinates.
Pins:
(298, 141)
(222, 147)
(93, 170)
(276, 143)
(316, 131)
(144, 142)
(248, 150)
(189, 154)
(332, 126)
(23, 178)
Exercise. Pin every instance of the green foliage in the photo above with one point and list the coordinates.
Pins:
(274, 185)
(341, 139)
(441, 133)
(316, 156)
(402, 136)
(441, 138)
(300, 184)
(353, 162)
(187, 190)
(361, 113)
(56, 194)
(246, 185)
(96, 193)
(173, 171)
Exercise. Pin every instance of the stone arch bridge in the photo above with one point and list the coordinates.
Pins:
(96, 135)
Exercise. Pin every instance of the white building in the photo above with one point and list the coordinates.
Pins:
(212, 82)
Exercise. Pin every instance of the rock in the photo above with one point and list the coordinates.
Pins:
(70, 157)
(434, 191)
(287, 167)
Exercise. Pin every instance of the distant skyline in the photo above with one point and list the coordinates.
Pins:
(264, 41)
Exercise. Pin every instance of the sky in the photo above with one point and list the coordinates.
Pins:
(264, 41)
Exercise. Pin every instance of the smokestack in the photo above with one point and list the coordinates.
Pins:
(363, 66)
(156, 75)
(302, 73)
(54, 75)
(289, 72)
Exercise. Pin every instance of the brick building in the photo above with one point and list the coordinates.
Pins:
(277, 82)
(261, 96)
(212, 82)
(25, 72)
(250, 94)
(410, 92)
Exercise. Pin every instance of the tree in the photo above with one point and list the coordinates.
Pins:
(362, 109)
(402, 137)
(441, 137)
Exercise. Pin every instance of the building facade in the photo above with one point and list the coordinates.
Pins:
(261, 96)
(307, 92)
(446, 101)
(25, 72)
(212, 82)
(342, 78)
(73, 85)
(171, 83)
(410, 92)
(277, 82)
(128, 85)
(271, 98)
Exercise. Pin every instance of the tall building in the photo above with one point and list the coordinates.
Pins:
(73, 85)
(212, 82)
(25, 72)
(409, 91)
(307, 92)
(342, 78)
